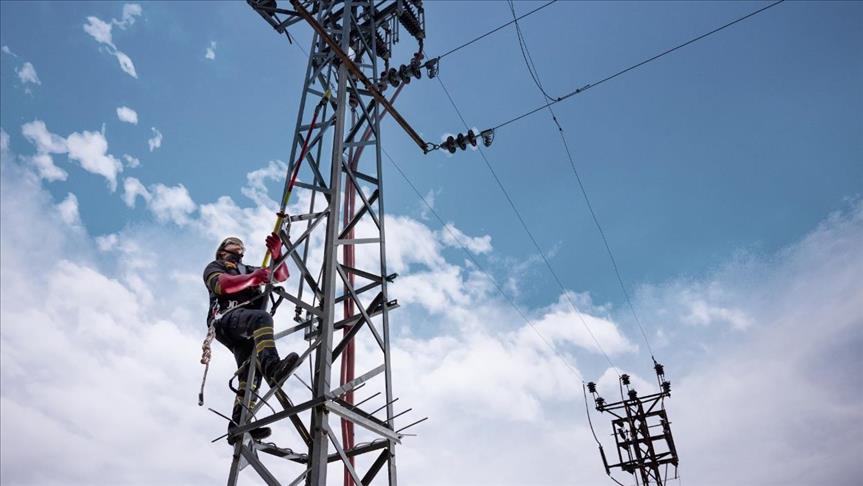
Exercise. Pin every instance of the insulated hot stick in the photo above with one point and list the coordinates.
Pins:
(293, 178)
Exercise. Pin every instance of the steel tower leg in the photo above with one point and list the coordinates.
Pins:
(350, 178)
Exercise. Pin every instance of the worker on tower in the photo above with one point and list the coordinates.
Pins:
(240, 323)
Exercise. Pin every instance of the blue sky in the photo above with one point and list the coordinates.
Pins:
(742, 140)
(722, 174)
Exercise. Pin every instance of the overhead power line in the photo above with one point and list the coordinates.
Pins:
(534, 74)
(537, 9)
(473, 260)
(634, 66)
(529, 233)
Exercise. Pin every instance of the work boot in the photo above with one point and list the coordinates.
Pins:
(276, 370)
(257, 434)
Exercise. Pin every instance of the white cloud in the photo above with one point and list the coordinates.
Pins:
(427, 207)
(130, 11)
(211, 51)
(4, 140)
(128, 115)
(702, 313)
(107, 242)
(46, 169)
(68, 210)
(90, 149)
(167, 203)
(171, 204)
(471, 364)
(6, 50)
(99, 30)
(562, 325)
(132, 188)
(126, 63)
(156, 140)
(256, 189)
(27, 74)
(131, 162)
(46, 142)
(452, 236)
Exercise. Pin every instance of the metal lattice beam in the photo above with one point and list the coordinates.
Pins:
(336, 150)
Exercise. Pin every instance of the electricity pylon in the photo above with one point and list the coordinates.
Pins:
(642, 432)
(335, 170)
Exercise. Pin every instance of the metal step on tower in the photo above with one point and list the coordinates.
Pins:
(337, 250)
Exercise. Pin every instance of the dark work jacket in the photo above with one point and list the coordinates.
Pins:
(211, 277)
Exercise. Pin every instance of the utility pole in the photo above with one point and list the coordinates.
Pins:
(642, 432)
(335, 171)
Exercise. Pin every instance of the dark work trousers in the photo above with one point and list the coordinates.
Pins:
(235, 332)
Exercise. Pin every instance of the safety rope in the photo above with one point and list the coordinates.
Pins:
(206, 354)
(206, 350)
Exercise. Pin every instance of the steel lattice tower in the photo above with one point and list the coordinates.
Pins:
(336, 153)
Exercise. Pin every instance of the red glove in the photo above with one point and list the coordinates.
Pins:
(274, 245)
(231, 284)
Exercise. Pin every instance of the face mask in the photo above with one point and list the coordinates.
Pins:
(234, 258)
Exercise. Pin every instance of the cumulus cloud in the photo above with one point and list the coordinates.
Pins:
(27, 74)
(256, 189)
(463, 357)
(128, 115)
(90, 149)
(452, 236)
(7, 50)
(46, 169)
(211, 51)
(68, 210)
(46, 142)
(167, 203)
(156, 140)
(132, 189)
(172, 203)
(561, 323)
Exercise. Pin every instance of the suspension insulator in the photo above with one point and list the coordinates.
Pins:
(393, 77)
(460, 140)
(414, 70)
(471, 138)
(449, 144)
(404, 74)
